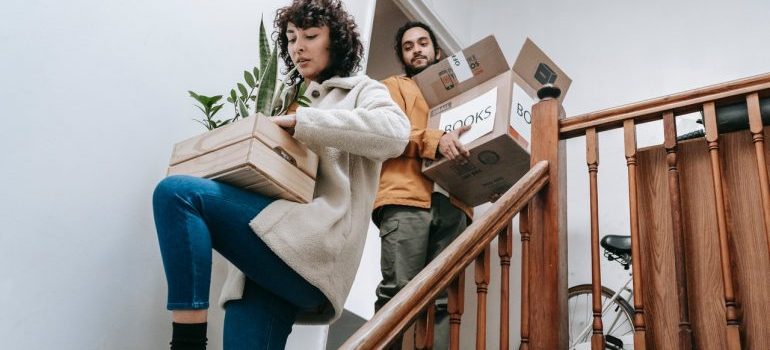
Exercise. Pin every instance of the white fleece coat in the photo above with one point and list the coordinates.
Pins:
(353, 125)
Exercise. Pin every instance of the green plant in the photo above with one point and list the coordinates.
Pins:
(262, 87)
(209, 108)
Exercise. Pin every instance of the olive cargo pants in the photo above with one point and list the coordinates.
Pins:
(410, 238)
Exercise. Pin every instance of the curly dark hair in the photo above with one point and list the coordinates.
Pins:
(345, 49)
(400, 36)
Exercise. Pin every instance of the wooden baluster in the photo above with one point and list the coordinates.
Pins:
(525, 276)
(455, 308)
(419, 331)
(680, 260)
(505, 250)
(430, 325)
(712, 139)
(482, 284)
(755, 125)
(423, 333)
(548, 223)
(592, 159)
(640, 331)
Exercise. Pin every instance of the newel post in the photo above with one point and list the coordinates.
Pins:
(548, 230)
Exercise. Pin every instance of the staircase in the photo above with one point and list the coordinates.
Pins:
(699, 223)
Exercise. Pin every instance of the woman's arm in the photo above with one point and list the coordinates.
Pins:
(376, 128)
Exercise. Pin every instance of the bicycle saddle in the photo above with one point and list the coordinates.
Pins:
(619, 245)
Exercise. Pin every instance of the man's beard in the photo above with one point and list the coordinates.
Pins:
(411, 70)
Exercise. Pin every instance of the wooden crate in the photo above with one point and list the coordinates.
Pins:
(252, 153)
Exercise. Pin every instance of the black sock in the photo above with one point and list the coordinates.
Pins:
(188, 336)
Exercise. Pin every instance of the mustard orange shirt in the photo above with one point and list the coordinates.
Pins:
(401, 180)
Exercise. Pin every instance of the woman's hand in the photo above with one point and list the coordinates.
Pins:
(450, 146)
(287, 122)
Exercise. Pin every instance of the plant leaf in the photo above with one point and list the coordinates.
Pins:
(205, 125)
(242, 109)
(256, 72)
(216, 109)
(304, 101)
(288, 98)
(230, 99)
(264, 47)
(249, 78)
(200, 98)
(233, 95)
(267, 85)
(243, 90)
(277, 104)
(302, 89)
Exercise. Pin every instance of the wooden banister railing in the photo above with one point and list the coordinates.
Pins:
(699, 225)
(400, 311)
(650, 110)
(685, 185)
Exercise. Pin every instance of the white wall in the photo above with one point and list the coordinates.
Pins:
(383, 62)
(93, 97)
(458, 16)
(616, 52)
(94, 94)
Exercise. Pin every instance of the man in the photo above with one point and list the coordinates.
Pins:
(417, 219)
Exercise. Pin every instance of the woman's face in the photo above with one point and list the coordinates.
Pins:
(308, 49)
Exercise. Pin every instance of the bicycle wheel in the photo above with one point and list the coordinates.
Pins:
(617, 318)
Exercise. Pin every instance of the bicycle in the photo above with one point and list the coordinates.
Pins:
(617, 312)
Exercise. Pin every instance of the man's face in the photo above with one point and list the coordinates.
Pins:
(417, 50)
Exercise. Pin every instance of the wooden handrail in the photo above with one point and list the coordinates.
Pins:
(399, 312)
(648, 110)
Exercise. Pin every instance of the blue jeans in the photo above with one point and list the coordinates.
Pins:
(194, 216)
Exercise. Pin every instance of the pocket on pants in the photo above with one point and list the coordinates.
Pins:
(388, 226)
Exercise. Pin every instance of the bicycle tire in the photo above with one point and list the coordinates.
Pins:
(580, 296)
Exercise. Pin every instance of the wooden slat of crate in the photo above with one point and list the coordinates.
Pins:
(250, 179)
(212, 140)
(213, 163)
(274, 167)
(258, 127)
(275, 137)
(227, 165)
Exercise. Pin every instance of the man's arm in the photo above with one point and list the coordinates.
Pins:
(423, 143)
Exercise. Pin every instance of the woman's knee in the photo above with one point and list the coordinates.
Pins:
(176, 186)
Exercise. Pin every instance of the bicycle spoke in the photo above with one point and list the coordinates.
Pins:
(588, 316)
(617, 316)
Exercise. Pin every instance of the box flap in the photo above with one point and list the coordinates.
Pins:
(462, 71)
(536, 69)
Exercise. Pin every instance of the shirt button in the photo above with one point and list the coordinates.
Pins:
(315, 93)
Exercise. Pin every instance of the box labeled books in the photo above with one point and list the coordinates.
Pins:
(251, 153)
(476, 87)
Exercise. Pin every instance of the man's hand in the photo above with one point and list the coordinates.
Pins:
(450, 146)
(287, 122)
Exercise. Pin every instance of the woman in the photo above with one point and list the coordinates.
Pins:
(289, 261)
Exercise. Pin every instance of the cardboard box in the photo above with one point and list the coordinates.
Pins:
(533, 69)
(476, 87)
(252, 153)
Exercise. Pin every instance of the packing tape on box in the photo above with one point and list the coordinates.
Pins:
(460, 67)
